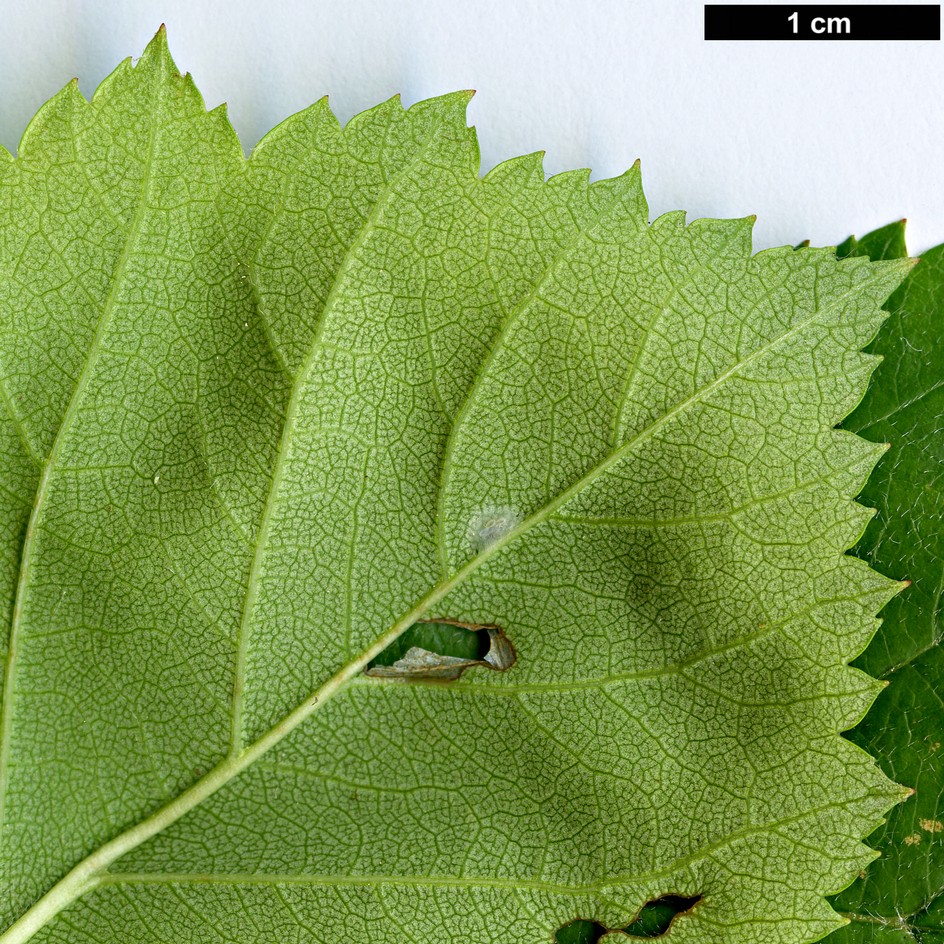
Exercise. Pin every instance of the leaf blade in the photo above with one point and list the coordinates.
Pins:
(439, 306)
(115, 233)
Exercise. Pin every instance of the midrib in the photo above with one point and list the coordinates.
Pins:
(42, 490)
(90, 871)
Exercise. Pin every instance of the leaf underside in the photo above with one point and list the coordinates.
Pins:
(900, 899)
(260, 417)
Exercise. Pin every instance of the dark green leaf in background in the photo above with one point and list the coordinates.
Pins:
(899, 900)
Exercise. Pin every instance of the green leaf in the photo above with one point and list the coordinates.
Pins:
(899, 899)
(885, 243)
(262, 417)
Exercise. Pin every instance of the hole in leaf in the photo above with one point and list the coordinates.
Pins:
(654, 919)
(442, 650)
(580, 932)
(656, 916)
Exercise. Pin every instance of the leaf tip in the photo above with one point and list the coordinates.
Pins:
(904, 265)
(633, 176)
(160, 37)
(158, 50)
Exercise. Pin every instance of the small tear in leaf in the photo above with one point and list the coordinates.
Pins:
(443, 650)
(654, 920)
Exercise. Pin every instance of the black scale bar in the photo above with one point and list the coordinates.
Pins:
(831, 21)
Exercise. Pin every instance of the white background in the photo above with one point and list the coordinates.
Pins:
(817, 138)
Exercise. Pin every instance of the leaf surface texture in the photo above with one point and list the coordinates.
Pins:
(260, 417)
